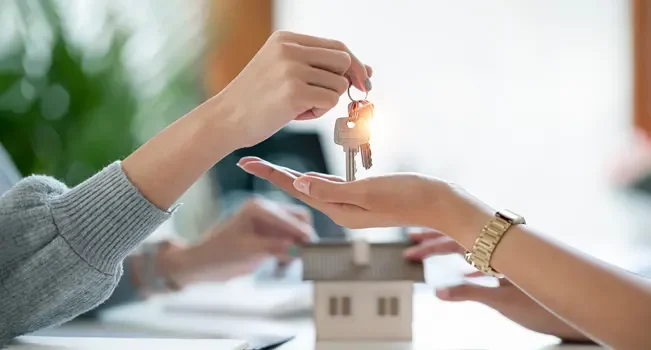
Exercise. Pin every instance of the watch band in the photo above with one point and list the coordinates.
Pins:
(153, 280)
(489, 237)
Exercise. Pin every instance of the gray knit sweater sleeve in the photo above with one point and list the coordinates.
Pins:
(61, 250)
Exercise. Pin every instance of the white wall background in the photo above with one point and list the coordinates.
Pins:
(544, 85)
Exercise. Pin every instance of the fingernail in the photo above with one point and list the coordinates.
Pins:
(243, 168)
(443, 293)
(368, 84)
(302, 185)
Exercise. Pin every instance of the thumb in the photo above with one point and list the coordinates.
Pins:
(326, 190)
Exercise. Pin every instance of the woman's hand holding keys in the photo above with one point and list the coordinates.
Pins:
(403, 199)
(292, 77)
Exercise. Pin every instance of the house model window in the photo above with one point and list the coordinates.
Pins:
(388, 306)
(339, 306)
(362, 290)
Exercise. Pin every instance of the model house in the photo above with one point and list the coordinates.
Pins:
(362, 290)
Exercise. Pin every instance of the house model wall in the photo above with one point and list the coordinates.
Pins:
(362, 291)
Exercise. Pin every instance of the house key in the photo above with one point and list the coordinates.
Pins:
(351, 136)
(362, 109)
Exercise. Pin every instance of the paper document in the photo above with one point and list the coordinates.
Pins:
(246, 299)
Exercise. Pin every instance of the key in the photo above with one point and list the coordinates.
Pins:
(360, 113)
(365, 151)
(351, 136)
(353, 109)
(362, 109)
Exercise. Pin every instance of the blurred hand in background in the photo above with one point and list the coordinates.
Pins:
(507, 299)
(260, 229)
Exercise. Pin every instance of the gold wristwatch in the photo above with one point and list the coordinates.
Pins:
(482, 251)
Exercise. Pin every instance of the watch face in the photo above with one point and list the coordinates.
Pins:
(512, 217)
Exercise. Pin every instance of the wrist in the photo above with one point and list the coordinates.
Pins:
(167, 165)
(222, 117)
(134, 264)
(457, 214)
(169, 264)
(221, 125)
(175, 265)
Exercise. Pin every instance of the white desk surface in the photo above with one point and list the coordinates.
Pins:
(61, 343)
(437, 325)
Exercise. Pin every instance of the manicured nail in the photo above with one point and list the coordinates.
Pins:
(302, 185)
(368, 85)
(243, 168)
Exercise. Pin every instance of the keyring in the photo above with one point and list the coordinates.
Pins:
(349, 86)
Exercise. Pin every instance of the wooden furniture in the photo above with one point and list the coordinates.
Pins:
(237, 30)
(642, 64)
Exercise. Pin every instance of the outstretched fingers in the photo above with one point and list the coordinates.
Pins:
(285, 179)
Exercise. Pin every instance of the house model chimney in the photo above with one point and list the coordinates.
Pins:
(361, 252)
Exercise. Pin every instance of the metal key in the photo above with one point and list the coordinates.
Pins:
(351, 136)
(362, 110)
(366, 155)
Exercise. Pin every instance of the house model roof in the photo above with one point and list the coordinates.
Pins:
(359, 261)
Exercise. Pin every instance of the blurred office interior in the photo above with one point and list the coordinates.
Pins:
(559, 87)
(549, 83)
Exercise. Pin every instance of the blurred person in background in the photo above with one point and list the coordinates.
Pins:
(61, 249)
(547, 286)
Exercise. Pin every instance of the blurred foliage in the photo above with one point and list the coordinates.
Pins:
(68, 116)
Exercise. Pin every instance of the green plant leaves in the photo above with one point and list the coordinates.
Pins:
(82, 113)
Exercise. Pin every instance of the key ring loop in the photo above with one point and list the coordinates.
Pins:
(349, 86)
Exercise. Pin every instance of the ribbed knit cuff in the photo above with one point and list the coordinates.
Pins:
(105, 218)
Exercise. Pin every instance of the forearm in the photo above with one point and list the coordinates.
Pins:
(166, 166)
(101, 220)
(608, 304)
